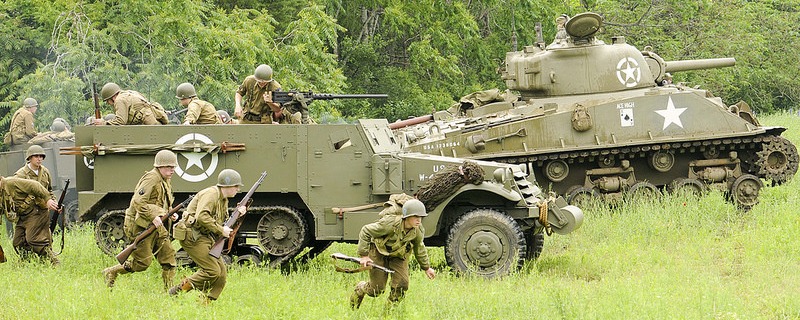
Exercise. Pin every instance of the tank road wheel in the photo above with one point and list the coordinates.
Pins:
(744, 191)
(534, 243)
(687, 186)
(643, 190)
(661, 161)
(582, 196)
(777, 160)
(282, 232)
(109, 233)
(556, 170)
(485, 242)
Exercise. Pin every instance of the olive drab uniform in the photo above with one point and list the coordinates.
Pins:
(132, 108)
(51, 136)
(197, 231)
(21, 129)
(389, 245)
(27, 199)
(201, 112)
(152, 198)
(255, 110)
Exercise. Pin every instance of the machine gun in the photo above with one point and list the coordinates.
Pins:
(235, 220)
(123, 256)
(299, 100)
(172, 115)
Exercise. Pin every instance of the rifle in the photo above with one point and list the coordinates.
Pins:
(235, 220)
(342, 256)
(304, 98)
(123, 256)
(96, 101)
(176, 111)
(54, 217)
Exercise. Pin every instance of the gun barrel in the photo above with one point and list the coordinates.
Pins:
(686, 65)
(330, 96)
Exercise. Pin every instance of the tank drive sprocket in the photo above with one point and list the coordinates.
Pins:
(282, 231)
(109, 232)
(777, 160)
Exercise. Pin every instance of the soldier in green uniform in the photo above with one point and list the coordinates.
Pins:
(256, 90)
(130, 107)
(152, 199)
(22, 129)
(202, 223)
(58, 132)
(32, 230)
(199, 111)
(389, 242)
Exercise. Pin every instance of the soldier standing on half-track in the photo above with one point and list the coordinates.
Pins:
(130, 107)
(199, 112)
(389, 242)
(22, 129)
(31, 203)
(152, 199)
(201, 225)
(256, 90)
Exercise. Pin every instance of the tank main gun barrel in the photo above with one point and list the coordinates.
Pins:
(686, 65)
(410, 122)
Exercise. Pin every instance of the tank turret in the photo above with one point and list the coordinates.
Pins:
(593, 119)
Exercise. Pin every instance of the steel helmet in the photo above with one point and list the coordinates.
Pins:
(34, 150)
(31, 102)
(414, 207)
(58, 126)
(185, 90)
(263, 73)
(224, 116)
(109, 90)
(229, 178)
(165, 158)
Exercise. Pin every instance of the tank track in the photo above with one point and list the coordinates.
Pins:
(766, 155)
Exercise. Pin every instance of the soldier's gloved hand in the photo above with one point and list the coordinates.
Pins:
(365, 261)
(241, 209)
(157, 222)
(174, 216)
(226, 231)
(52, 205)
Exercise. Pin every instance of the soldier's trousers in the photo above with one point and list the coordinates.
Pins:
(212, 274)
(377, 278)
(32, 232)
(157, 243)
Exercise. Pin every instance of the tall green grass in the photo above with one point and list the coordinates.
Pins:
(675, 257)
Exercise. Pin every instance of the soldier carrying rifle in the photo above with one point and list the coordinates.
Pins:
(151, 200)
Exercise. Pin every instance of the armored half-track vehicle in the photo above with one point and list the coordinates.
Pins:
(603, 120)
(324, 183)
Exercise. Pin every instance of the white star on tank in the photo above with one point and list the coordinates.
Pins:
(671, 114)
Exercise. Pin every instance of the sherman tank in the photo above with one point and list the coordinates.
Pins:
(598, 120)
(324, 182)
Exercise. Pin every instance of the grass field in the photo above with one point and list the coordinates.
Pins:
(674, 258)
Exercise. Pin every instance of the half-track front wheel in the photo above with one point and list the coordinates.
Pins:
(282, 231)
(109, 232)
(485, 242)
(534, 243)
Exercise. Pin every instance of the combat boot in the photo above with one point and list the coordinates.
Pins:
(184, 286)
(358, 295)
(112, 272)
(52, 256)
(168, 275)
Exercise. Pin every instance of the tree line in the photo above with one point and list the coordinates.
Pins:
(425, 54)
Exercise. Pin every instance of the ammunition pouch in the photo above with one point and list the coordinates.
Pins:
(179, 231)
